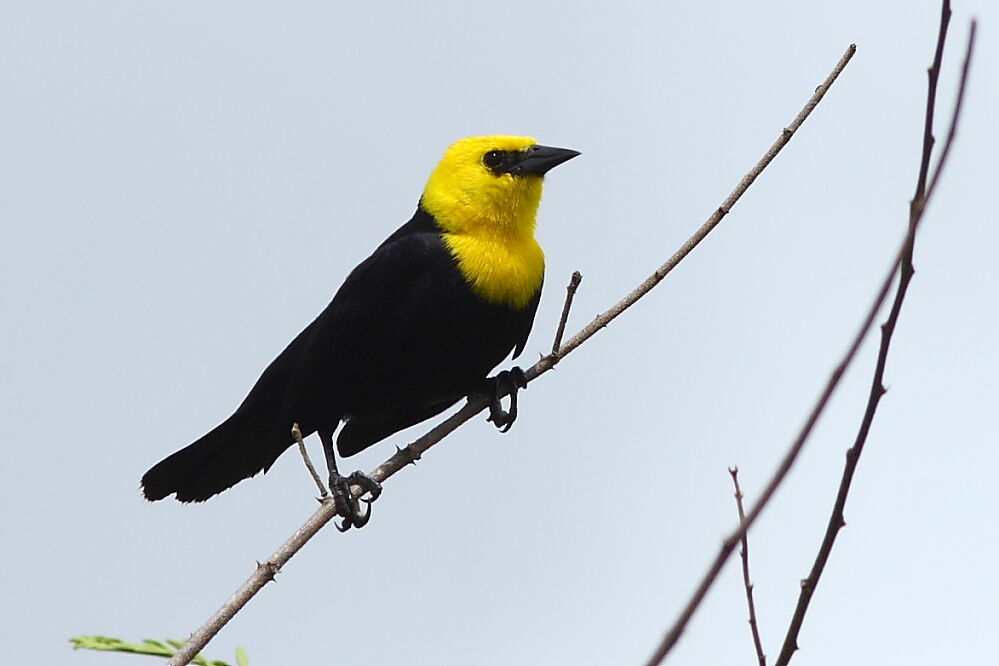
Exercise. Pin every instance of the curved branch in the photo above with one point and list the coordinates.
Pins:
(266, 571)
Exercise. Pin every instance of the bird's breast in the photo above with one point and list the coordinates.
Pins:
(503, 271)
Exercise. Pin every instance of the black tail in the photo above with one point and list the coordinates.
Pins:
(233, 451)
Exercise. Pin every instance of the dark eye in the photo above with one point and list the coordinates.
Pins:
(493, 159)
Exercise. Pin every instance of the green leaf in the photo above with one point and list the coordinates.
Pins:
(150, 647)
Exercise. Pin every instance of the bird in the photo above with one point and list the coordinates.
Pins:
(413, 329)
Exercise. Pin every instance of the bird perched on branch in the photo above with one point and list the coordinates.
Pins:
(414, 328)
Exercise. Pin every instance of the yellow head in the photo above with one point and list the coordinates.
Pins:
(484, 195)
(490, 184)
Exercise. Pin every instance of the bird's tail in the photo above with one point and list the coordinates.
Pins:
(233, 451)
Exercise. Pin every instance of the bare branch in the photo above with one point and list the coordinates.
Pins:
(476, 403)
(570, 293)
(747, 583)
(916, 208)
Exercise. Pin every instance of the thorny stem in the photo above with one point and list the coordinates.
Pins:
(475, 404)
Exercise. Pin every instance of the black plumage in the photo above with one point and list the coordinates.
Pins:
(402, 340)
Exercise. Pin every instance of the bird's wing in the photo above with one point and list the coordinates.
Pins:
(396, 297)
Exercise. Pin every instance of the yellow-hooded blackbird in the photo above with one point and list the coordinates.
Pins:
(414, 328)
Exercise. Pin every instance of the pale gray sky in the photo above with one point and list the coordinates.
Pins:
(184, 185)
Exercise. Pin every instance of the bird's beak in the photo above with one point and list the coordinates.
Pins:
(542, 159)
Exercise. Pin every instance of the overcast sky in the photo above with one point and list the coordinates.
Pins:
(184, 185)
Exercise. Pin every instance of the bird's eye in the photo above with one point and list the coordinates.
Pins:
(493, 159)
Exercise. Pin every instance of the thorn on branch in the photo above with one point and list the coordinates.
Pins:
(408, 453)
(268, 570)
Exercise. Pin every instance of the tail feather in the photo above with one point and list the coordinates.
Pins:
(233, 451)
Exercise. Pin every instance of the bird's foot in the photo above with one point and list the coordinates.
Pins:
(346, 505)
(507, 381)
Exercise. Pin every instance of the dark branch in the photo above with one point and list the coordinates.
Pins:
(747, 583)
(917, 207)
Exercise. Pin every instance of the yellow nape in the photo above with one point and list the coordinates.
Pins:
(488, 220)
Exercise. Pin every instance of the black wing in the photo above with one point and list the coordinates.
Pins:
(402, 339)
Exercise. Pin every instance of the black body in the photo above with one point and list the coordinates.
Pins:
(403, 339)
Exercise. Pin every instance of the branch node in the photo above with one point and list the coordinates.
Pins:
(268, 570)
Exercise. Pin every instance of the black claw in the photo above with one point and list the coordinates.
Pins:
(371, 487)
(362, 519)
(347, 506)
(507, 381)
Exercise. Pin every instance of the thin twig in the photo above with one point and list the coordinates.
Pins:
(296, 432)
(747, 583)
(917, 206)
(570, 293)
(477, 403)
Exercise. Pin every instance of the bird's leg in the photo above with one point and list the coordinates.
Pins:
(347, 506)
(507, 381)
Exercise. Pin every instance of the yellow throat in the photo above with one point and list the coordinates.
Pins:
(487, 220)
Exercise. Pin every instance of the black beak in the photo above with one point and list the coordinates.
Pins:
(539, 160)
